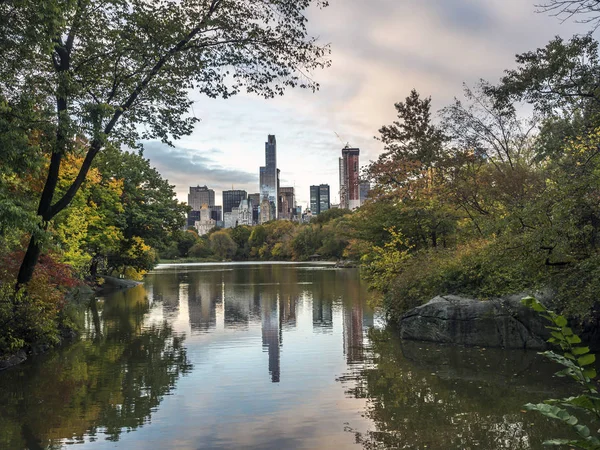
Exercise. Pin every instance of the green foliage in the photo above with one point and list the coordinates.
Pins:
(383, 264)
(577, 362)
(200, 250)
(241, 236)
(330, 215)
(222, 245)
(185, 241)
(151, 210)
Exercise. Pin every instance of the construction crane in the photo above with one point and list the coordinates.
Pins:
(346, 145)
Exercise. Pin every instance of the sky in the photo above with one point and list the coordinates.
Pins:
(381, 49)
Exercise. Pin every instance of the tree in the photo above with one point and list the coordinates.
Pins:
(567, 9)
(101, 68)
(561, 77)
(412, 145)
(222, 245)
(151, 209)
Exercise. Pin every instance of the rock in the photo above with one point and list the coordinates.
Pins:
(502, 322)
(113, 284)
(12, 360)
(346, 264)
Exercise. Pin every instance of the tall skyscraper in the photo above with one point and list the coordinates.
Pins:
(314, 199)
(231, 199)
(269, 177)
(349, 178)
(320, 200)
(324, 198)
(200, 195)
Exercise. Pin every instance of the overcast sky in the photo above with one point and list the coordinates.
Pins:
(381, 49)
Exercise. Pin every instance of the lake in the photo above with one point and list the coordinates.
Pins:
(266, 356)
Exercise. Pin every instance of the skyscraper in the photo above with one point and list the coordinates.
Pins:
(200, 195)
(231, 199)
(314, 199)
(269, 179)
(287, 203)
(324, 198)
(255, 207)
(365, 188)
(320, 198)
(349, 178)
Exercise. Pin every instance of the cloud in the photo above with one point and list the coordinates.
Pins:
(187, 167)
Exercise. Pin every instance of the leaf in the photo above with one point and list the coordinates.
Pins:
(558, 336)
(580, 350)
(567, 331)
(560, 321)
(582, 430)
(574, 339)
(532, 303)
(590, 373)
(586, 360)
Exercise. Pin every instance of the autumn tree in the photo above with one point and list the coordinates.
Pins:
(101, 68)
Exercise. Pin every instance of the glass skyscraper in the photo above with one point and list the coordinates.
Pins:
(269, 185)
(231, 199)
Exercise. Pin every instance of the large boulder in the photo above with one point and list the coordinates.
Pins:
(502, 322)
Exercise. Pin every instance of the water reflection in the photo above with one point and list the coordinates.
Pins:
(283, 356)
(441, 397)
(103, 385)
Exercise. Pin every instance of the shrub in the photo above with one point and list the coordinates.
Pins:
(200, 250)
(34, 314)
(480, 269)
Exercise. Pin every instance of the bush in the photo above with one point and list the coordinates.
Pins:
(200, 250)
(481, 269)
(34, 315)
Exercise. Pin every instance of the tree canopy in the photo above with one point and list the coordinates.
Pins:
(116, 72)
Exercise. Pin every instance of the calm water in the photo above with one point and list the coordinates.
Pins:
(266, 356)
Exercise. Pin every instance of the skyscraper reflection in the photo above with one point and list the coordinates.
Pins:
(322, 310)
(271, 335)
(202, 300)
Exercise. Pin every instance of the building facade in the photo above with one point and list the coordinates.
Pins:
(314, 199)
(349, 178)
(217, 213)
(200, 195)
(320, 199)
(365, 188)
(287, 203)
(232, 199)
(245, 213)
(255, 198)
(265, 210)
(205, 222)
(269, 177)
(324, 198)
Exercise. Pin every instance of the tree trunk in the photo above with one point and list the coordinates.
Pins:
(32, 255)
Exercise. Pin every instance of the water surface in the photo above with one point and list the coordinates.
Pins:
(266, 356)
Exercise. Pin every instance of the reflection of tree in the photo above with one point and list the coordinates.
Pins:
(441, 399)
(91, 388)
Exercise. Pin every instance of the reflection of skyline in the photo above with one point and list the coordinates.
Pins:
(353, 332)
(271, 335)
(240, 300)
(322, 311)
(202, 301)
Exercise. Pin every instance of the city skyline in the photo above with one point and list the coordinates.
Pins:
(431, 46)
(273, 201)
